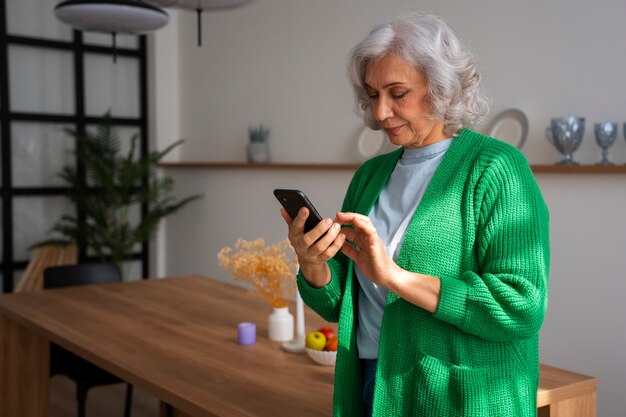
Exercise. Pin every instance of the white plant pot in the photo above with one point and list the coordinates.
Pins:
(258, 152)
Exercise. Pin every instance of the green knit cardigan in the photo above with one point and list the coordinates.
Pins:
(482, 228)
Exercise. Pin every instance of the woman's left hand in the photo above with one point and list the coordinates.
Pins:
(368, 251)
(372, 259)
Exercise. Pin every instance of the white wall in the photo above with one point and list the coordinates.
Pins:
(282, 63)
(584, 328)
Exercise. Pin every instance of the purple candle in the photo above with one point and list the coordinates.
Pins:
(246, 333)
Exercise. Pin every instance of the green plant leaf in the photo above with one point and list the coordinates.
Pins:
(106, 186)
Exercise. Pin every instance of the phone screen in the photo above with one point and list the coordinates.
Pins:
(293, 201)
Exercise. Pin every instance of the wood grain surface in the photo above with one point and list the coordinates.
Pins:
(564, 393)
(176, 339)
(23, 389)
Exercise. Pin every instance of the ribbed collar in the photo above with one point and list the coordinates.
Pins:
(416, 155)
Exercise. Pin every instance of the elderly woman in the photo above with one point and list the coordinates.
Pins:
(436, 269)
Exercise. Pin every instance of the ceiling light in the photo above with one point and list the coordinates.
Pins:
(133, 17)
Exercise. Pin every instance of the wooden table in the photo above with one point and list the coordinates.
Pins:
(176, 339)
(564, 393)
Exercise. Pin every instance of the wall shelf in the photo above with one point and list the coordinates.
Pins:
(542, 169)
(579, 169)
(270, 166)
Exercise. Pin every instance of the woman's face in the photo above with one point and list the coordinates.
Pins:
(398, 100)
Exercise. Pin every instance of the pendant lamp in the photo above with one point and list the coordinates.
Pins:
(199, 6)
(111, 16)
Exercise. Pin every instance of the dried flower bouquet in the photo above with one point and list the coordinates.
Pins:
(270, 270)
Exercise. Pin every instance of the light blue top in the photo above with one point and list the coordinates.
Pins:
(390, 216)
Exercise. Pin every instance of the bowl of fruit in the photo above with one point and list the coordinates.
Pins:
(321, 345)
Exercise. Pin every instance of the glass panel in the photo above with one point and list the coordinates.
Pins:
(35, 18)
(134, 217)
(111, 85)
(40, 151)
(104, 39)
(132, 271)
(33, 217)
(41, 80)
(125, 134)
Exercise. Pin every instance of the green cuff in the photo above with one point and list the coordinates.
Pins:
(453, 300)
(319, 296)
(325, 301)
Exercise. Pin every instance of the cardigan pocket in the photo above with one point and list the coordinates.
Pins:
(445, 389)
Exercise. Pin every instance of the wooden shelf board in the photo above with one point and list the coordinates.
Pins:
(270, 166)
(542, 169)
(579, 169)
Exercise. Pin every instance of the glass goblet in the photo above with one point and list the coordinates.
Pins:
(566, 134)
(606, 133)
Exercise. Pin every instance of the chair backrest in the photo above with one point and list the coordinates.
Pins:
(81, 274)
(45, 256)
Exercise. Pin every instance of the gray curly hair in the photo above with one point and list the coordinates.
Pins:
(429, 44)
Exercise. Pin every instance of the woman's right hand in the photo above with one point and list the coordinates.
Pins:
(314, 248)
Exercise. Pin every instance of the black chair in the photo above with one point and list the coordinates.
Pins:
(85, 374)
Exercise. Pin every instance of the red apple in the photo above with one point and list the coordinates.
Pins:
(328, 332)
(315, 340)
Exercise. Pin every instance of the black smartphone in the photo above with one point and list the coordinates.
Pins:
(293, 201)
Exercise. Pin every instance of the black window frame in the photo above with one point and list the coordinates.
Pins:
(9, 266)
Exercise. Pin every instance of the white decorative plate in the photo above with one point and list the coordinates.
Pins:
(370, 143)
(510, 126)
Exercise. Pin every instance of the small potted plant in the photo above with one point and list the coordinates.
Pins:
(258, 148)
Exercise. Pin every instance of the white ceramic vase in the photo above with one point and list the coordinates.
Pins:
(280, 325)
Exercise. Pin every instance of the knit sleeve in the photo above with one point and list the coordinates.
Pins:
(326, 301)
(506, 298)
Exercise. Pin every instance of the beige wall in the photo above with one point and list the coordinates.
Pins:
(282, 63)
